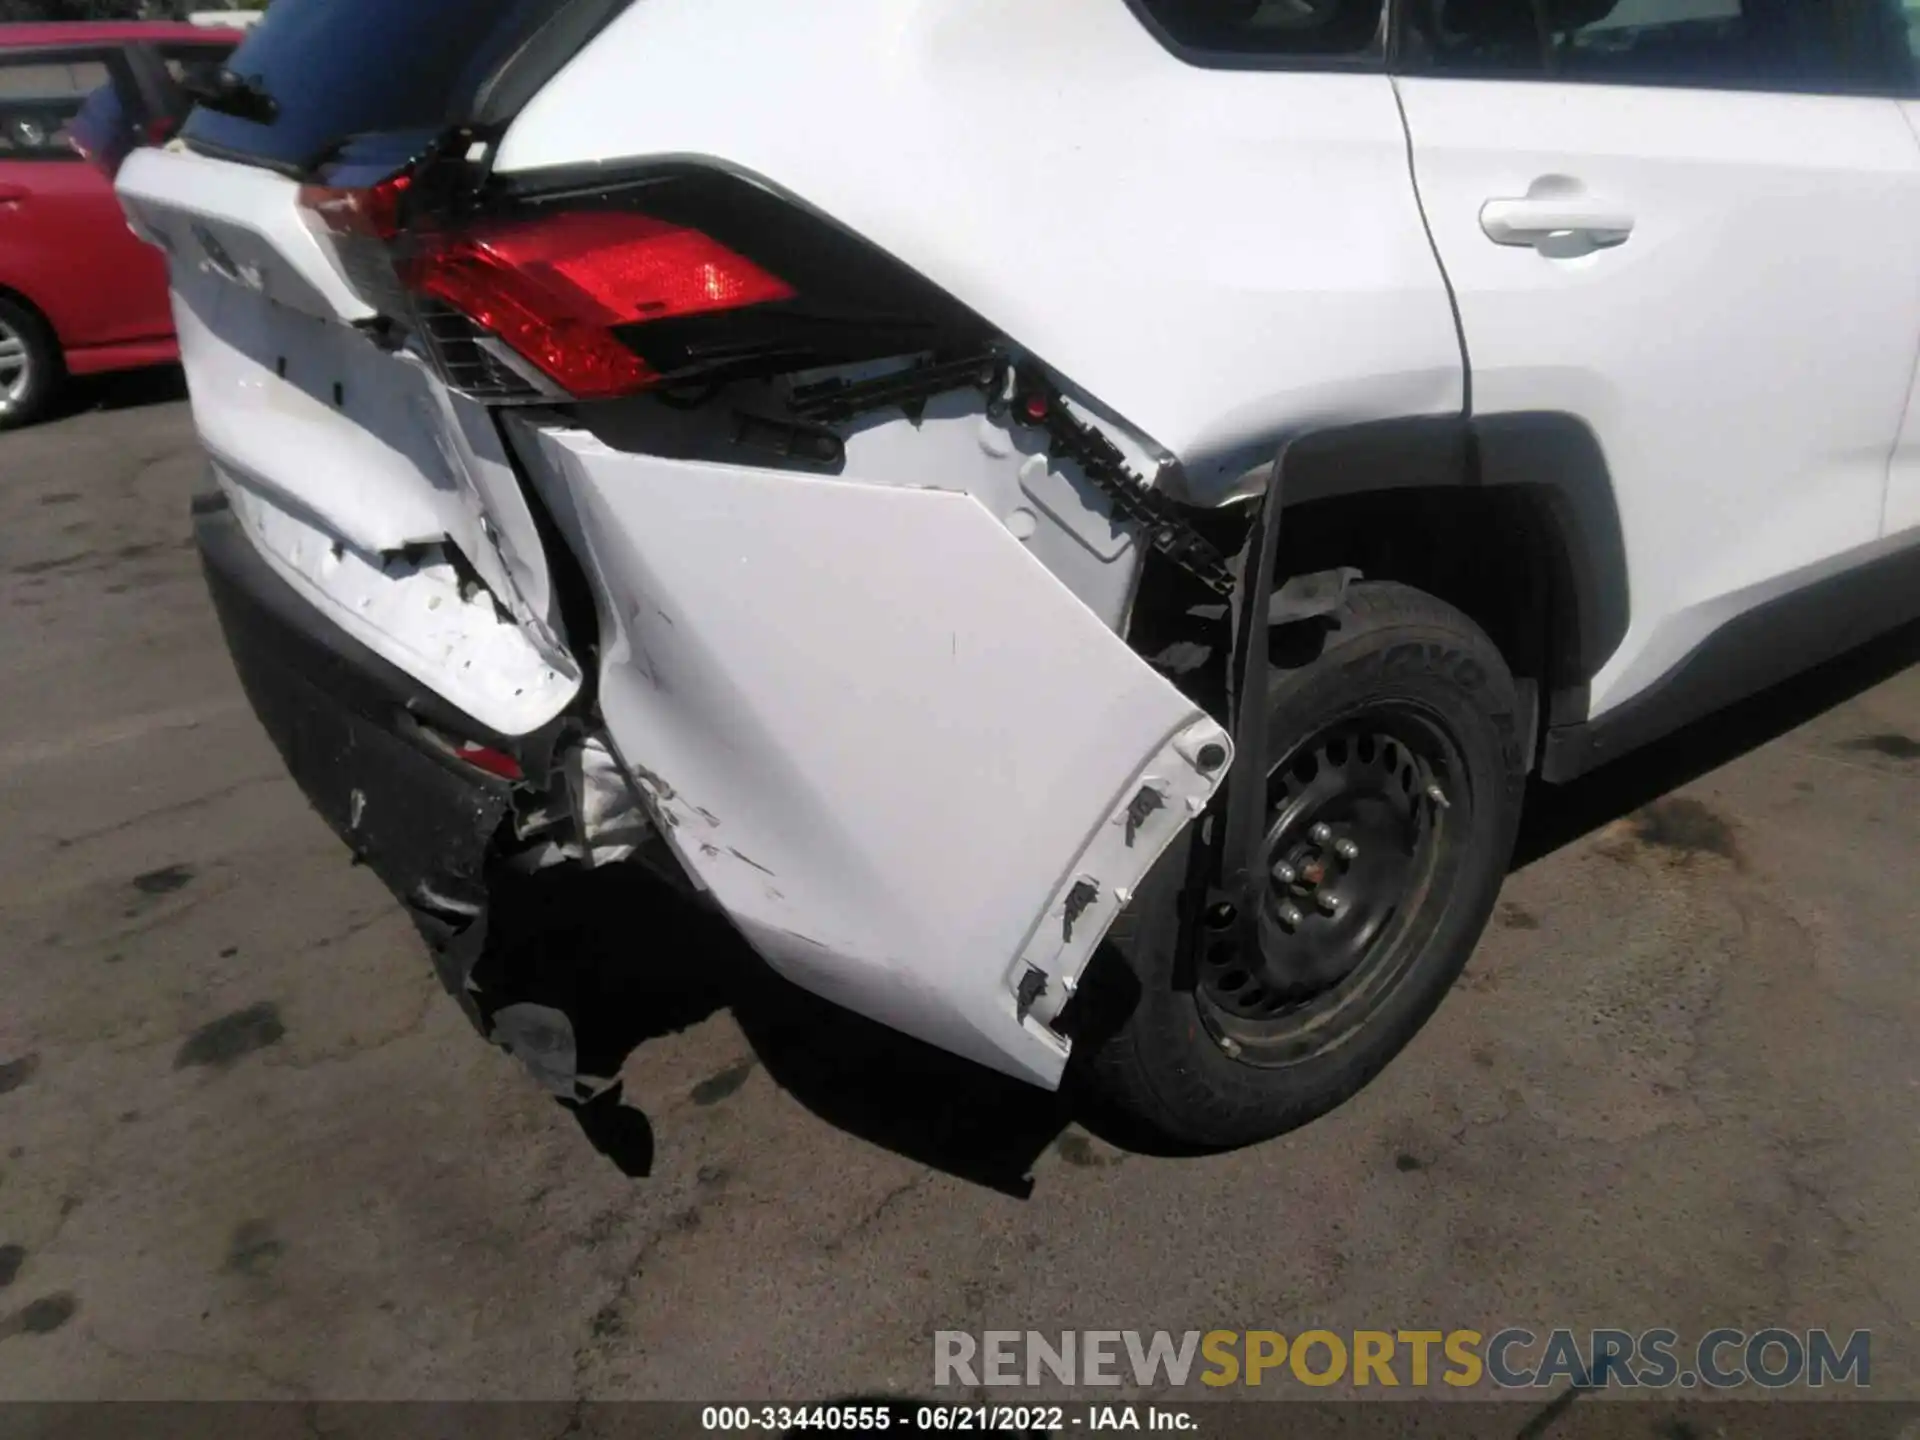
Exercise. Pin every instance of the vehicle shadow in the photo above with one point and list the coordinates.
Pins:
(630, 960)
(126, 390)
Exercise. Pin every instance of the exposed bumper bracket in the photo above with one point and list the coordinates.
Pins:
(1237, 842)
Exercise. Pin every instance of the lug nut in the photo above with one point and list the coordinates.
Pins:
(1320, 834)
(1439, 797)
(1346, 850)
(1285, 873)
(1329, 904)
(1290, 916)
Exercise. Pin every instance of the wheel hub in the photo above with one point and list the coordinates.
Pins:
(1354, 819)
(14, 374)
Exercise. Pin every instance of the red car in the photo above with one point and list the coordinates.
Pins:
(78, 294)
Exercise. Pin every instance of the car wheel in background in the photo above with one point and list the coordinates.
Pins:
(31, 372)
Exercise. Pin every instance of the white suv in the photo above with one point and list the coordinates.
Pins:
(1070, 523)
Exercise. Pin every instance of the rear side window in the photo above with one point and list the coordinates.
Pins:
(1274, 31)
(340, 70)
(39, 97)
(1820, 46)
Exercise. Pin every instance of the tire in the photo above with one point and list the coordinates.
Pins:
(1202, 1065)
(27, 393)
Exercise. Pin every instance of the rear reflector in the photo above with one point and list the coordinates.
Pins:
(494, 762)
(472, 752)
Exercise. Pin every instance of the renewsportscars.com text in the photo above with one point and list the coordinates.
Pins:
(1772, 1358)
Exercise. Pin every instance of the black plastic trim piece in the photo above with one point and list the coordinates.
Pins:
(1758, 648)
(1241, 827)
(1555, 458)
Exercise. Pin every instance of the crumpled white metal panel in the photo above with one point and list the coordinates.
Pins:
(884, 737)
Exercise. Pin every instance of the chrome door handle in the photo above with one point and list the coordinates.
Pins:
(1536, 220)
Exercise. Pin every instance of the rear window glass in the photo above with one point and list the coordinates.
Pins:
(341, 69)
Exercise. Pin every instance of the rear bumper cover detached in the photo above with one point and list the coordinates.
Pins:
(916, 772)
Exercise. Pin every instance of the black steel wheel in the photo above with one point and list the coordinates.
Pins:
(1390, 817)
(1359, 819)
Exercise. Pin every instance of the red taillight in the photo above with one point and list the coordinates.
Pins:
(555, 288)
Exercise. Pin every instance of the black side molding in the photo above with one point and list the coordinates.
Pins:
(1756, 649)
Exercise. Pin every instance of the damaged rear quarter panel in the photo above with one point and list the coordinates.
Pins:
(876, 728)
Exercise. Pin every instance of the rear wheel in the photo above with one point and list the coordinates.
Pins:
(30, 368)
(1391, 804)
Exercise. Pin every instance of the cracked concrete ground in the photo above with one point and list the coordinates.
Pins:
(249, 1150)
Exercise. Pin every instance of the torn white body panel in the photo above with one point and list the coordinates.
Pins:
(289, 396)
(361, 477)
(387, 456)
(414, 611)
(885, 738)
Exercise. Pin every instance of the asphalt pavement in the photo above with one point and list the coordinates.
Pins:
(248, 1149)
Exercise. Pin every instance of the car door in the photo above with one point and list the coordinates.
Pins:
(1696, 225)
(1903, 485)
(64, 241)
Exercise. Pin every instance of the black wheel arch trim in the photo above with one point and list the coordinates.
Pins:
(1554, 457)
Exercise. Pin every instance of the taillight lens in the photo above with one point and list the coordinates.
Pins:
(556, 287)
